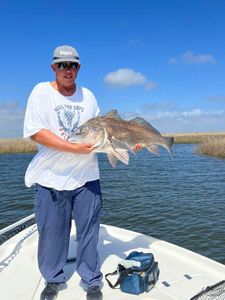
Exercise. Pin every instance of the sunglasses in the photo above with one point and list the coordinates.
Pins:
(64, 65)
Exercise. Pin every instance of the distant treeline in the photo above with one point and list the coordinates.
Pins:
(208, 143)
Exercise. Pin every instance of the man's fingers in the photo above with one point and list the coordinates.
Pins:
(138, 147)
(89, 146)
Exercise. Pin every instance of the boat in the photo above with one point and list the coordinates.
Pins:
(183, 273)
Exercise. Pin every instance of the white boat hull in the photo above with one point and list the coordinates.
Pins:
(182, 272)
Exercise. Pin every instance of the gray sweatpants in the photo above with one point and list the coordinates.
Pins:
(54, 211)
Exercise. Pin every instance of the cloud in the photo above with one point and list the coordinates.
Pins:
(157, 106)
(11, 120)
(189, 57)
(219, 99)
(163, 116)
(195, 120)
(127, 77)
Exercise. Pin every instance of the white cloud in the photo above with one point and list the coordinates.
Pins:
(195, 120)
(163, 117)
(189, 57)
(11, 120)
(127, 77)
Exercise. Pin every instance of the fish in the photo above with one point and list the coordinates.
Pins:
(117, 137)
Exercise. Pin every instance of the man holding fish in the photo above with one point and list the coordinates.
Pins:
(66, 176)
(63, 118)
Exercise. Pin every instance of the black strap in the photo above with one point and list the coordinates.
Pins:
(122, 274)
(109, 283)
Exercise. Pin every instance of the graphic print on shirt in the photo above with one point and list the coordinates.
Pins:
(68, 118)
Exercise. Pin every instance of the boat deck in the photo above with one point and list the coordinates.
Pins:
(182, 272)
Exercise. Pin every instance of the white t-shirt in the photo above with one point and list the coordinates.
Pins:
(48, 109)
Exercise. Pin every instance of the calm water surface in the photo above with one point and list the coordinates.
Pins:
(180, 200)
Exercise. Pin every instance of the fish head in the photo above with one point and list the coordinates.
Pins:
(88, 133)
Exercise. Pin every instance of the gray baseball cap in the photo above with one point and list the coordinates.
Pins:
(65, 53)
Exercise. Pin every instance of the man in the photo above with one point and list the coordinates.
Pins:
(66, 176)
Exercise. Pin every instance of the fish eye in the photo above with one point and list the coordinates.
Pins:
(80, 131)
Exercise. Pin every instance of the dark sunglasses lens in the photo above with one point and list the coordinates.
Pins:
(63, 65)
(73, 65)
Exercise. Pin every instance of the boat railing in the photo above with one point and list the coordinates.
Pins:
(15, 228)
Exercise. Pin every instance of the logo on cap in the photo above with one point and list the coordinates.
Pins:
(64, 52)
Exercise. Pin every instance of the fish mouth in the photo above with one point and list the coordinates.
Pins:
(98, 144)
(74, 139)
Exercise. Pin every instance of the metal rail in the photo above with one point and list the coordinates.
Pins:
(14, 225)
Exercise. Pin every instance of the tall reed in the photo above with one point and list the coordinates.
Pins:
(213, 146)
(209, 143)
(194, 138)
(18, 145)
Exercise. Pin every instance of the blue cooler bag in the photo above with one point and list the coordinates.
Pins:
(137, 274)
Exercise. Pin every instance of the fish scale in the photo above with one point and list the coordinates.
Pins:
(134, 133)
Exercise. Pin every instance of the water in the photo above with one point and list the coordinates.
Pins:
(179, 200)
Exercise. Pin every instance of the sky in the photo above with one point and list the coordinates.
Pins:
(157, 59)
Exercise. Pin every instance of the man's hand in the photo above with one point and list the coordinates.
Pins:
(82, 148)
(49, 139)
(138, 147)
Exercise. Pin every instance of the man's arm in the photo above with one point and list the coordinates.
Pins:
(49, 139)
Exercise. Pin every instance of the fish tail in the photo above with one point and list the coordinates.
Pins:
(168, 144)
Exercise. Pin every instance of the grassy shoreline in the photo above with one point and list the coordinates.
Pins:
(209, 143)
(195, 137)
(17, 145)
(213, 146)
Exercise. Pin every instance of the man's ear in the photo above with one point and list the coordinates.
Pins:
(53, 67)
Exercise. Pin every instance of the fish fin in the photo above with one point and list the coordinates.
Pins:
(143, 122)
(153, 149)
(122, 155)
(117, 144)
(112, 159)
(113, 114)
(169, 140)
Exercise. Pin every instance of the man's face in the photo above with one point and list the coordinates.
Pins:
(66, 72)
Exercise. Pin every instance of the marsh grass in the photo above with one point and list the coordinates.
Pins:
(18, 145)
(213, 146)
(195, 138)
(208, 143)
